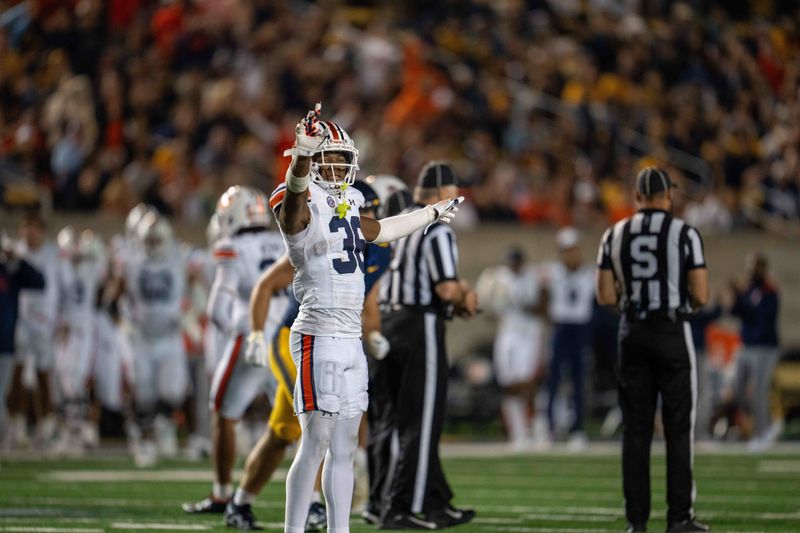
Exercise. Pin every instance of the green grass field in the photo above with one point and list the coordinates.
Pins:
(538, 493)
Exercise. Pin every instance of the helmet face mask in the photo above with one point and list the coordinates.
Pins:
(336, 162)
(155, 234)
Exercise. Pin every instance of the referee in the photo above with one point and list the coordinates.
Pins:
(420, 291)
(652, 265)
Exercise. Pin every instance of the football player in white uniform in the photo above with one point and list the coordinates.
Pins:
(512, 293)
(154, 280)
(75, 346)
(250, 249)
(38, 315)
(318, 215)
(569, 287)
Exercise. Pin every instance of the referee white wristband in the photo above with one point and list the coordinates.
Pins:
(296, 184)
(399, 226)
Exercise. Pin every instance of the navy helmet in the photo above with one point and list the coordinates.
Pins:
(371, 200)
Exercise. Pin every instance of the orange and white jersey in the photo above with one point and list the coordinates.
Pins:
(328, 258)
(240, 261)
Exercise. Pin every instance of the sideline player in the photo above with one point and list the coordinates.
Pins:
(241, 258)
(512, 292)
(154, 279)
(317, 213)
(283, 428)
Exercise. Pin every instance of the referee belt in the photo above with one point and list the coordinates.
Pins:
(669, 315)
(394, 308)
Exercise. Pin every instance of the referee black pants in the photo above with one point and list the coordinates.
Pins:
(657, 358)
(406, 415)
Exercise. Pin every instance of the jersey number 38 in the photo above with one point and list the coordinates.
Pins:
(353, 244)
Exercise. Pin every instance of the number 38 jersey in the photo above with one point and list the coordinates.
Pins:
(240, 261)
(328, 258)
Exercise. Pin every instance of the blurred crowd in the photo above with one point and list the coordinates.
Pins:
(545, 107)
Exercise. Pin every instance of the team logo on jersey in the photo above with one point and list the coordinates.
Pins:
(331, 202)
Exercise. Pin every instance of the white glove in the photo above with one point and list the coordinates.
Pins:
(443, 211)
(377, 345)
(255, 353)
(307, 138)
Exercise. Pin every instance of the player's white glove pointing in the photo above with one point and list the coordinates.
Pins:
(307, 137)
(444, 211)
(255, 353)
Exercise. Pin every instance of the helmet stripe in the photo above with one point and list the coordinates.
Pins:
(334, 129)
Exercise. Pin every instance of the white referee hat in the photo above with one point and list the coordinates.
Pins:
(567, 238)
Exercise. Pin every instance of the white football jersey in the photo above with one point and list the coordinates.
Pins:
(241, 260)
(328, 258)
(81, 297)
(156, 290)
(512, 295)
(41, 306)
(571, 293)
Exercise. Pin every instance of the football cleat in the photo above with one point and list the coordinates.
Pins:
(208, 505)
(400, 520)
(635, 528)
(687, 526)
(317, 518)
(449, 516)
(241, 517)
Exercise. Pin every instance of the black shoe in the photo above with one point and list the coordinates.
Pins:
(317, 518)
(371, 517)
(400, 520)
(241, 517)
(210, 505)
(449, 516)
(687, 526)
(632, 528)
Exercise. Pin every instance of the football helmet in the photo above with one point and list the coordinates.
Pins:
(135, 216)
(335, 139)
(242, 207)
(371, 201)
(155, 234)
(90, 247)
(213, 232)
(68, 242)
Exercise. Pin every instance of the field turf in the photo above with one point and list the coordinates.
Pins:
(534, 493)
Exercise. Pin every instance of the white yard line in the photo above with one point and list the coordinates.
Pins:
(779, 467)
(127, 476)
(41, 529)
(167, 526)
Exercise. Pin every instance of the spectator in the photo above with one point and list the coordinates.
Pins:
(756, 304)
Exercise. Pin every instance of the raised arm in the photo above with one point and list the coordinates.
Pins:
(399, 226)
(294, 216)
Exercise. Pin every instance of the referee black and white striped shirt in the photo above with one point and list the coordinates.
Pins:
(650, 254)
(419, 262)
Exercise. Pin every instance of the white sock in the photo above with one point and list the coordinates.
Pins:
(316, 436)
(316, 497)
(242, 497)
(221, 491)
(514, 414)
(338, 476)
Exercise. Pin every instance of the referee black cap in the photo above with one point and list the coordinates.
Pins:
(397, 202)
(436, 174)
(653, 180)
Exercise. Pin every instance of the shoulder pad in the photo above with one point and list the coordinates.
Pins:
(276, 198)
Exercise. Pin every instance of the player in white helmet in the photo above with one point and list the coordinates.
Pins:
(36, 328)
(154, 281)
(511, 292)
(385, 185)
(318, 215)
(76, 345)
(248, 249)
